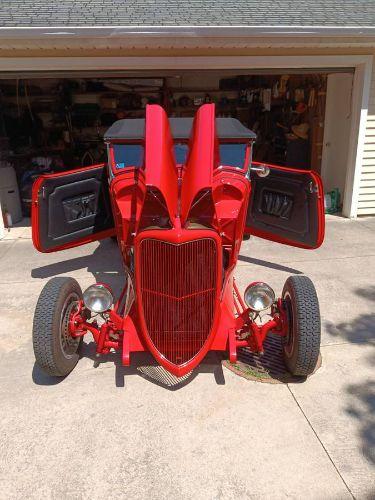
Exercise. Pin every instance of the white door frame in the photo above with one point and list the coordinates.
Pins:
(362, 65)
(337, 142)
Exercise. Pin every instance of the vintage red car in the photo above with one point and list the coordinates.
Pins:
(179, 195)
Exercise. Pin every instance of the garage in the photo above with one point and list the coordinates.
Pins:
(308, 93)
(54, 124)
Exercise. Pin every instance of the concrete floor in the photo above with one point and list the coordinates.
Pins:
(110, 432)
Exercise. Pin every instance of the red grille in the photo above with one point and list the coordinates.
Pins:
(178, 285)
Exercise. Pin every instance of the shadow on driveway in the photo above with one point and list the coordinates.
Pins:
(142, 365)
(361, 405)
(105, 264)
(270, 265)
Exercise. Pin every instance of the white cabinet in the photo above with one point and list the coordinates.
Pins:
(9, 195)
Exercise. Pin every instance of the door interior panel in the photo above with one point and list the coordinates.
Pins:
(285, 205)
(73, 207)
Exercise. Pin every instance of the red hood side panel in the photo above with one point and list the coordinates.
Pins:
(203, 157)
(160, 166)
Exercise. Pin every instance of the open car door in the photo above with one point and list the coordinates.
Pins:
(71, 208)
(286, 206)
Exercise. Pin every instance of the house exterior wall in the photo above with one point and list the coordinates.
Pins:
(366, 199)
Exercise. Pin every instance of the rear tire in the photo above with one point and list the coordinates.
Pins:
(56, 351)
(302, 345)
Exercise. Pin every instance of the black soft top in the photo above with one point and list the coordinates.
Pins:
(133, 128)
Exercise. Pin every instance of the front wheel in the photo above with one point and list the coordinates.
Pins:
(56, 351)
(302, 344)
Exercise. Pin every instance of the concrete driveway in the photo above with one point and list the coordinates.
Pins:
(107, 432)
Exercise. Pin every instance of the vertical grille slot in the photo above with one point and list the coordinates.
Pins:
(178, 288)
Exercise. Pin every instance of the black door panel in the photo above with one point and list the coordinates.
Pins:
(287, 206)
(73, 207)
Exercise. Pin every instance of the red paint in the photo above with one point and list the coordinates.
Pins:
(128, 191)
(180, 228)
(202, 158)
(179, 298)
(160, 166)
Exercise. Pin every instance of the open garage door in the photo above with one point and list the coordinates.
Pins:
(54, 121)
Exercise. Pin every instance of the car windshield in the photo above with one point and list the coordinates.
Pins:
(131, 155)
(128, 155)
(232, 155)
(181, 152)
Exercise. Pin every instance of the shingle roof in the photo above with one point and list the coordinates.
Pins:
(34, 13)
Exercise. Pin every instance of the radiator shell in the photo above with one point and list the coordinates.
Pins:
(178, 284)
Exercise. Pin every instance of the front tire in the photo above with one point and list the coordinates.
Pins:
(302, 344)
(56, 351)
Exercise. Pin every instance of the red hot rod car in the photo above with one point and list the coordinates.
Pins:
(179, 195)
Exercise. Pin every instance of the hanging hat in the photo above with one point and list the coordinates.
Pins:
(301, 108)
(301, 130)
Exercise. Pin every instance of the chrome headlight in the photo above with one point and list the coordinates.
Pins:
(259, 296)
(98, 298)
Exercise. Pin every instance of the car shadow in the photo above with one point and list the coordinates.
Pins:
(142, 365)
(105, 264)
(270, 265)
(41, 378)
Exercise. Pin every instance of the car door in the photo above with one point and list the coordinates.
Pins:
(71, 208)
(286, 206)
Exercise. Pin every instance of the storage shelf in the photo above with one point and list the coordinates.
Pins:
(218, 106)
(199, 91)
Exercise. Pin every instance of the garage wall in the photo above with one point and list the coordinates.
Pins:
(366, 201)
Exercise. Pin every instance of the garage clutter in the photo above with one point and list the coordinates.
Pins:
(52, 125)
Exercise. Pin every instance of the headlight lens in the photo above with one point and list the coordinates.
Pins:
(259, 296)
(98, 298)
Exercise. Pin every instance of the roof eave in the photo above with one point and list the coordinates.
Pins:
(48, 32)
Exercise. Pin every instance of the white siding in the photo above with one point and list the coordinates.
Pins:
(366, 199)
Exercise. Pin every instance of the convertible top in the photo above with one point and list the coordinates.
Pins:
(133, 128)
